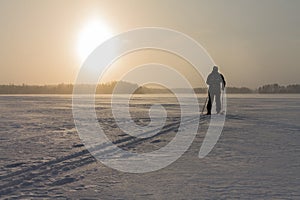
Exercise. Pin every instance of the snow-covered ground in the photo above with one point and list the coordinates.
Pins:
(256, 157)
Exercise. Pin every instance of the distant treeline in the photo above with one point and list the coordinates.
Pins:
(275, 88)
(105, 88)
(126, 87)
(36, 89)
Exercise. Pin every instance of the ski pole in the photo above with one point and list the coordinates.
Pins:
(204, 106)
(223, 92)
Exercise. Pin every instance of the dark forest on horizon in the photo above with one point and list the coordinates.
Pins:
(107, 88)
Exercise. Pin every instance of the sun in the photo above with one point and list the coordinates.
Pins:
(90, 37)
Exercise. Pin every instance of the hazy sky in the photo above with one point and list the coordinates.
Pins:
(253, 41)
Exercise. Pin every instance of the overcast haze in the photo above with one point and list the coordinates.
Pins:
(254, 42)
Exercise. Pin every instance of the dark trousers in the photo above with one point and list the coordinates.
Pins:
(211, 97)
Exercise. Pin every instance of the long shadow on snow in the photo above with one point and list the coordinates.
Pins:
(15, 180)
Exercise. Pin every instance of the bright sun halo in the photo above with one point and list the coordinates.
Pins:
(91, 36)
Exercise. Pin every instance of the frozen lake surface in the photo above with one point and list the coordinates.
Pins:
(256, 157)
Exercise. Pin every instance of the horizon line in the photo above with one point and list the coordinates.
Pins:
(109, 82)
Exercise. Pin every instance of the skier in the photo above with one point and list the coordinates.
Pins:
(215, 80)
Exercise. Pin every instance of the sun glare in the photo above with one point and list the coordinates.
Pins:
(91, 36)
